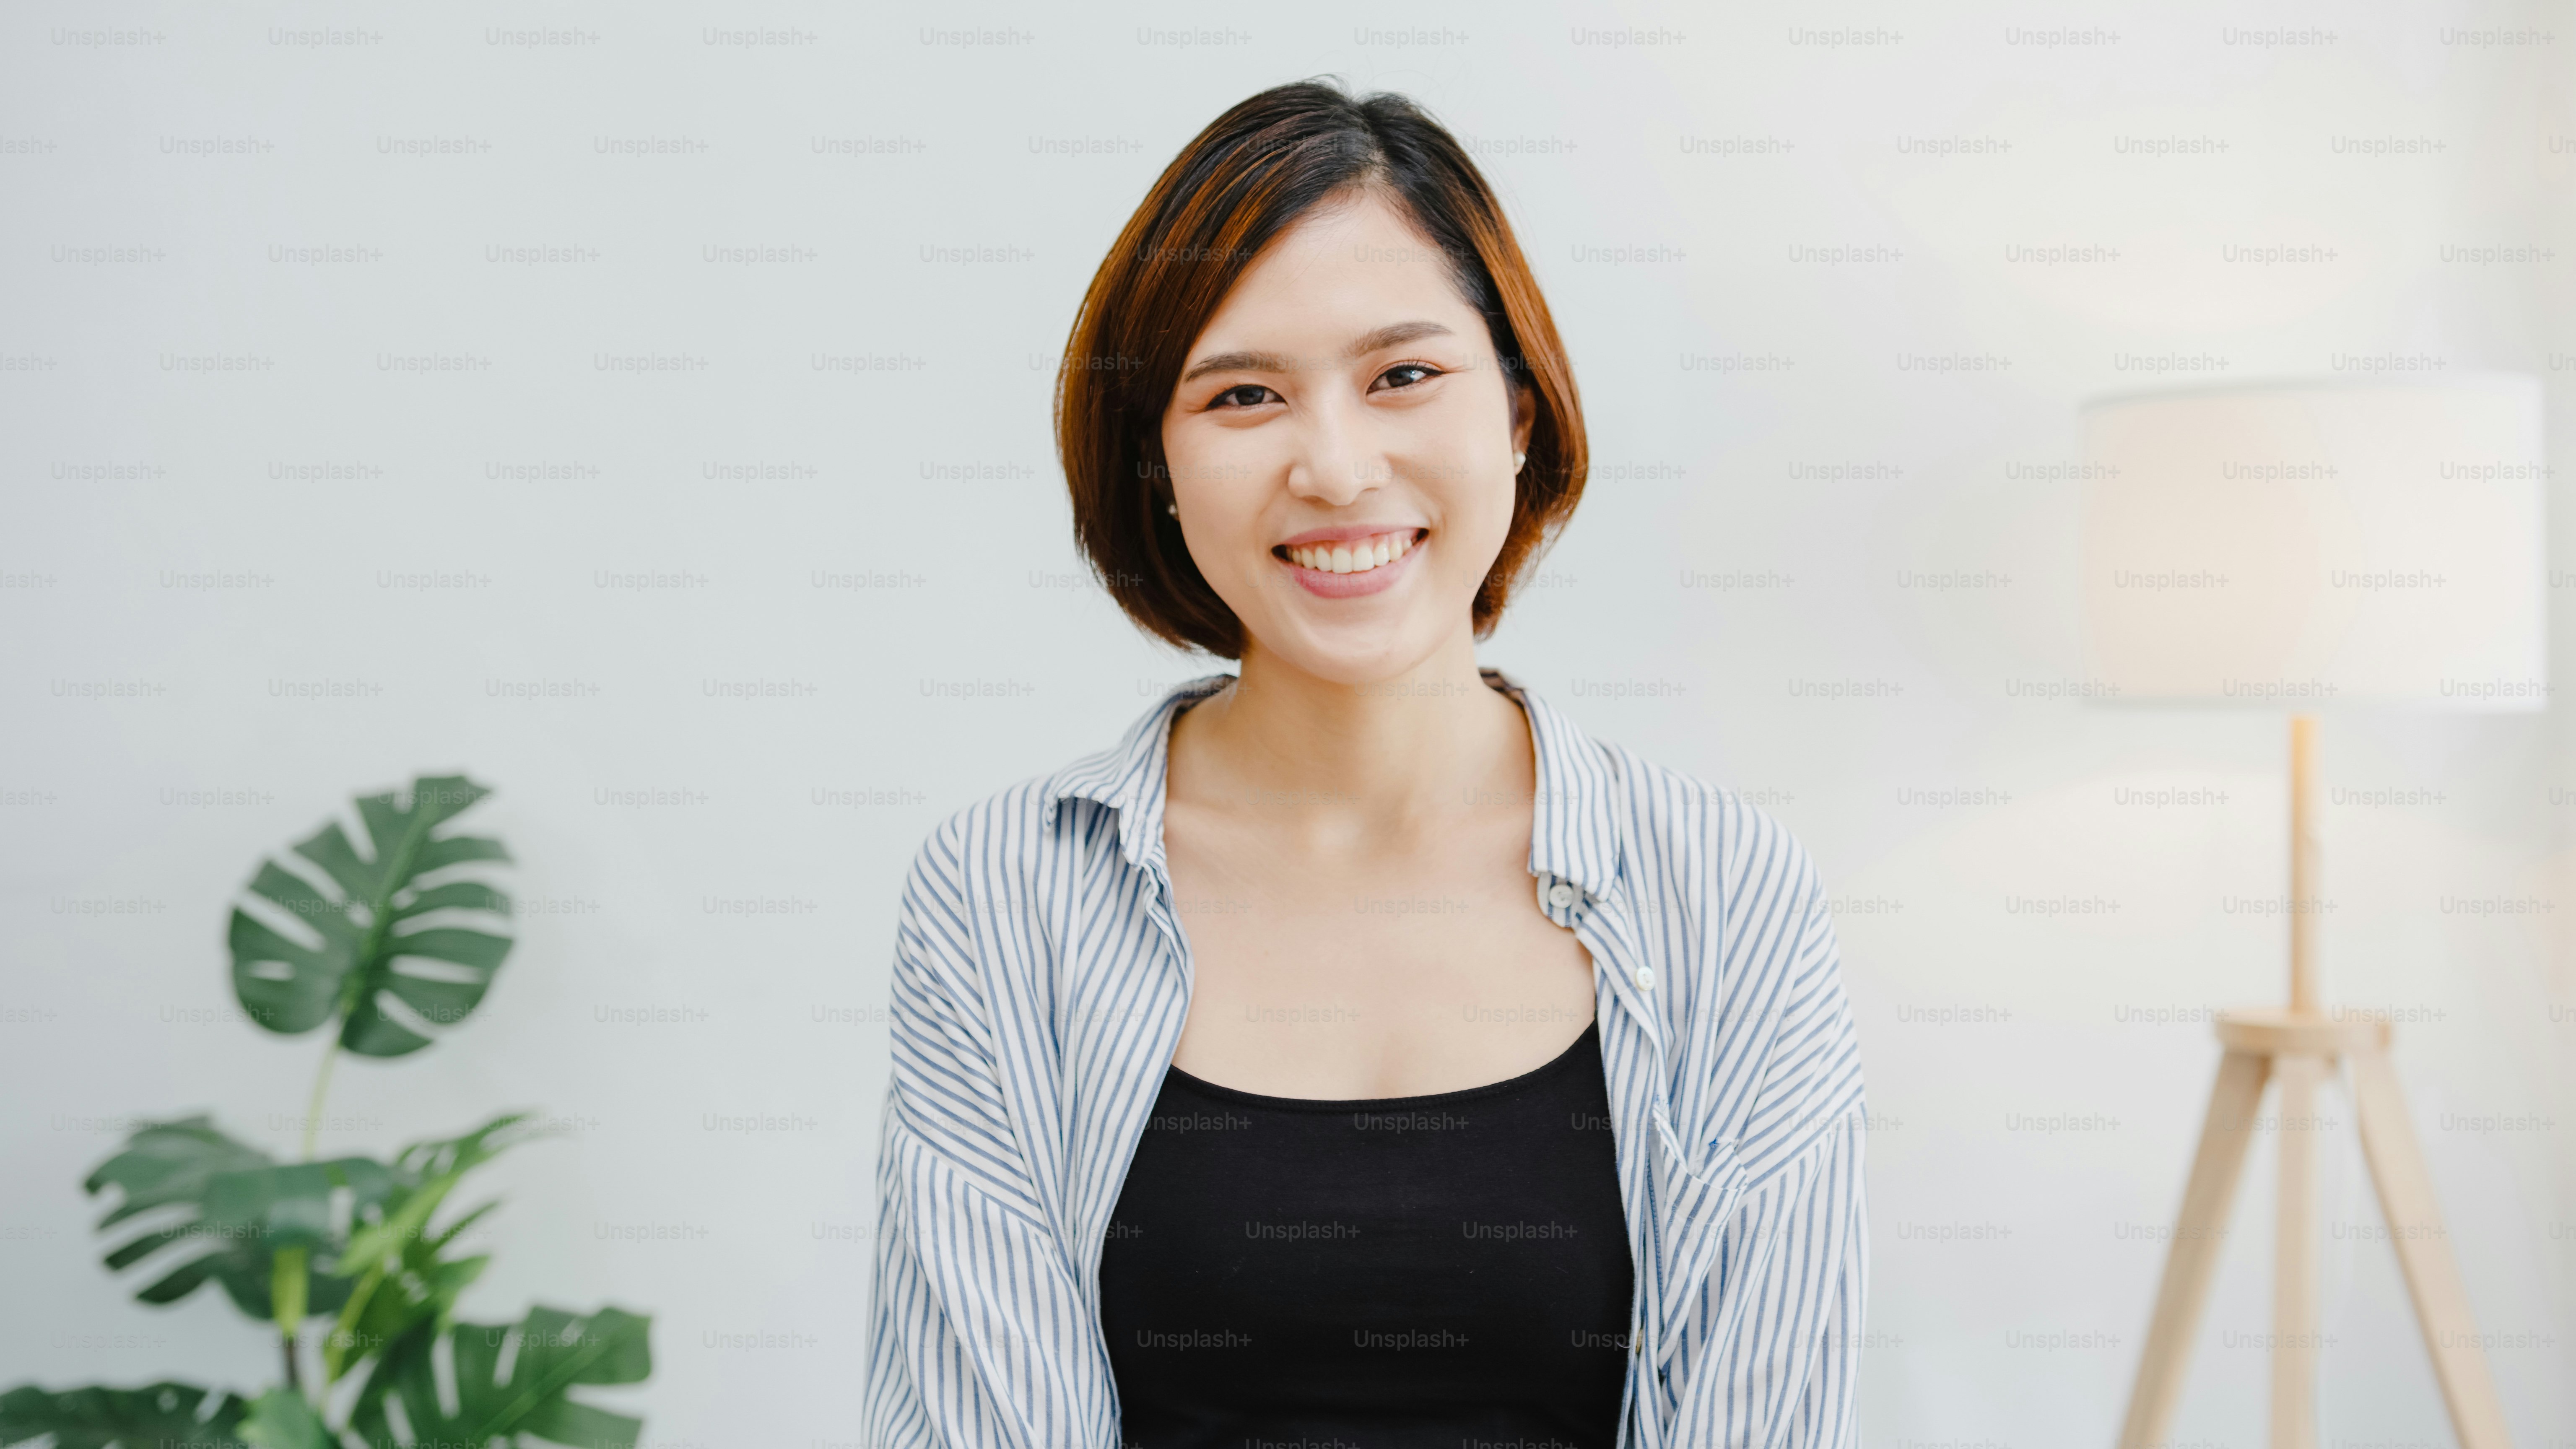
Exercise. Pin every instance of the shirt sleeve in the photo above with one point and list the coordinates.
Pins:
(1773, 1349)
(977, 1333)
(1784, 1311)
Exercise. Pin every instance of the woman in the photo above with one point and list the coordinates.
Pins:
(1356, 1053)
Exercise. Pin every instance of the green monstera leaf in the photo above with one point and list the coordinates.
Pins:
(385, 947)
(362, 956)
(285, 1419)
(222, 1209)
(157, 1416)
(399, 1271)
(509, 1380)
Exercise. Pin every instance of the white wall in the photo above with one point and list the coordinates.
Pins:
(123, 482)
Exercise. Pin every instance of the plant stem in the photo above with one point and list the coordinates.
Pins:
(321, 1084)
(286, 1286)
(289, 1284)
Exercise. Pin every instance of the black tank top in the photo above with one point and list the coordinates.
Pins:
(1385, 1274)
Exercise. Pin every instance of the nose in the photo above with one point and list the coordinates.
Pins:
(1335, 462)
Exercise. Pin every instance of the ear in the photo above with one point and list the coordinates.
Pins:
(1524, 414)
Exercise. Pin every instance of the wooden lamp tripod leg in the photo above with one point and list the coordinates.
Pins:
(2294, 1257)
(2424, 1252)
(2299, 1046)
(2294, 1237)
(2193, 1256)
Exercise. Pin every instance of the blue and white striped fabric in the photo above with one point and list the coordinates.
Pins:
(1040, 983)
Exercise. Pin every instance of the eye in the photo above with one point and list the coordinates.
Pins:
(1242, 395)
(1404, 374)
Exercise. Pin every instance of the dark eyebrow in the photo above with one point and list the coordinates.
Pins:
(1238, 362)
(1394, 334)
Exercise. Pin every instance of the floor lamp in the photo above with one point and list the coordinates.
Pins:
(2312, 549)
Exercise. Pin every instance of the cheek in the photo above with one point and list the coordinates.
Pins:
(1486, 514)
(1199, 452)
(1462, 461)
(1211, 472)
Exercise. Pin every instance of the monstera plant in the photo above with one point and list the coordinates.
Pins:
(350, 1261)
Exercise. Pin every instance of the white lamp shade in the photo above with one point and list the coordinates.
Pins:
(2310, 547)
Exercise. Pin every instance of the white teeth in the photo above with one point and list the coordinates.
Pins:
(1346, 558)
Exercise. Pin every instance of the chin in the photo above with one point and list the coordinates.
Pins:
(1357, 655)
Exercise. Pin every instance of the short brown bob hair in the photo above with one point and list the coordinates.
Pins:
(1237, 185)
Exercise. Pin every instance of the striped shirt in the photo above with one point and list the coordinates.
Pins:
(1040, 985)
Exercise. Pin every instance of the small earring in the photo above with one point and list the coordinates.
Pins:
(1517, 460)
(1173, 509)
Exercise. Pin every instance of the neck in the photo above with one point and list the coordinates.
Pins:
(1419, 744)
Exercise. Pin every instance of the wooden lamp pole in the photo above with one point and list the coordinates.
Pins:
(2299, 1048)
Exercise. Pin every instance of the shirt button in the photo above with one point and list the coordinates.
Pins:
(1560, 895)
(1645, 978)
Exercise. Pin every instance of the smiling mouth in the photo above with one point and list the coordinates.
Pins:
(1355, 556)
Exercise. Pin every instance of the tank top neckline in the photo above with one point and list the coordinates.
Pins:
(1572, 1053)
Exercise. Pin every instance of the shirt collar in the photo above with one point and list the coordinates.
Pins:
(1128, 776)
(1574, 832)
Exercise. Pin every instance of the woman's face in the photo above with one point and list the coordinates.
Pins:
(1341, 447)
